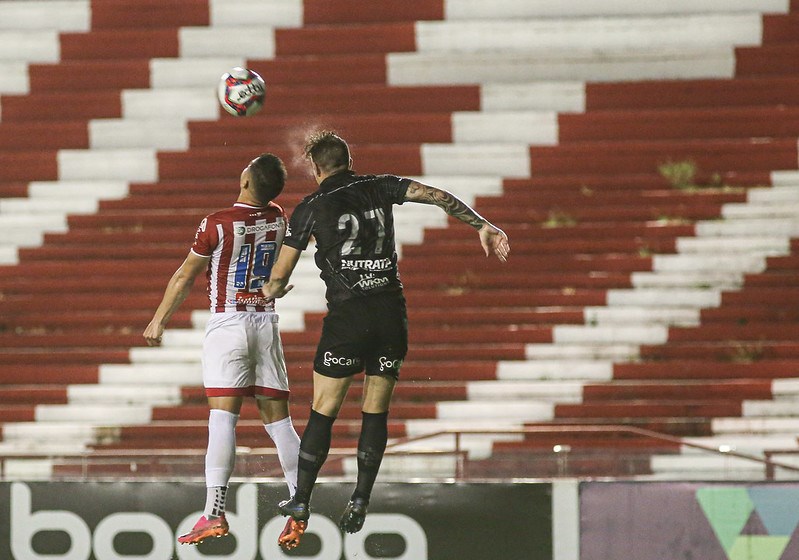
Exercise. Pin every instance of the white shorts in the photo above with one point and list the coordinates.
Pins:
(243, 356)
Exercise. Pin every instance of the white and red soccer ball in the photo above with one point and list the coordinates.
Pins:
(241, 92)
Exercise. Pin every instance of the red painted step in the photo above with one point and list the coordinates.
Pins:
(676, 124)
(137, 14)
(88, 78)
(13, 189)
(47, 373)
(725, 351)
(343, 39)
(749, 332)
(123, 44)
(377, 128)
(32, 395)
(29, 136)
(220, 162)
(64, 106)
(366, 11)
(591, 182)
(312, 70)
(28, 166)
(742, 314)
(645, 408)
(640, 157)
(587, 197)
(714, 93)
(706, 369)
(780, 28)
(596, 230)
(513, 280)
(543, 247)
(360, 101)
(734, 390)
(767, 60)
(66, 357)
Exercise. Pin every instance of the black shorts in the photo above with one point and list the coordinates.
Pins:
(364, 333)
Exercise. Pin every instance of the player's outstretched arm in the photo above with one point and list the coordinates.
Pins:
(176, 291)
(492, 239)
(278, 285)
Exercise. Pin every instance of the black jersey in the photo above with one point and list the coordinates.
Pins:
(351, 218)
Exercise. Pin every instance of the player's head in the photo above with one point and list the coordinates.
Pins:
(328, 154)
(265, 176)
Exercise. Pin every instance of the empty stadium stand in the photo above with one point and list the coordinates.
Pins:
(641, 156)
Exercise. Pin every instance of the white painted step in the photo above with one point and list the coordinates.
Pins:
(746, 227)
(572, 334)
(562, 96)
(694, 263)
(762, 425)
(696, 298)
(687, 317)
(543, 370)
(551, 35)
(120, 395)
(760, 246)
(61, 15)
(587, 352)
(247, 40)
(602, 65)
(506, 9)
(129, 165)
(174, 103)
(550, 391)
(29, 46)
(151, 374)
(674, 280)
(133, 133)
(277, 13)
(108, 415)
(514, 410)
(504, 160)
(529, 127)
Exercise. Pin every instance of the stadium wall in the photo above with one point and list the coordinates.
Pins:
(560, 520)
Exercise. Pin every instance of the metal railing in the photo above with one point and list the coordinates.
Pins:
(260, 462)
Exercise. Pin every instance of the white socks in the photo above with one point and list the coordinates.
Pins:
(220, 459)
(287, 442)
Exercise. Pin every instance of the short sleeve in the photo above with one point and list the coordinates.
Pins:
(395, 188)
(300, 227)
(206, 239)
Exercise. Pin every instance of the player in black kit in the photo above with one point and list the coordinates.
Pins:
(350, 216)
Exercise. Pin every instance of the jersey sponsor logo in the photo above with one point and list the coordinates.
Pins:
(387, 364)
(370, 282)
(257, 228)
(249, 298)
(366, 264)
(331, 360)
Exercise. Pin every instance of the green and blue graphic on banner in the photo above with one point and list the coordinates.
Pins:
(751, 522)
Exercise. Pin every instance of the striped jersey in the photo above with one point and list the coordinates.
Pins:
(243, 242)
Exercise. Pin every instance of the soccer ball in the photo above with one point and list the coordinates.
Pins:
(241, 92)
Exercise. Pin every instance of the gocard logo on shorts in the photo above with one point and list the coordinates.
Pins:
(252, 540)
(331, 360)
(387, 364)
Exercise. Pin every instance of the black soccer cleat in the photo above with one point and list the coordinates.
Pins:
(296, 510)
(354, 515)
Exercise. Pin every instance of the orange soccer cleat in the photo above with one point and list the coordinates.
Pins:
(204, 529)
(292, 533)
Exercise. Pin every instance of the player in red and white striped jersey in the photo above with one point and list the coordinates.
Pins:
(242, 352)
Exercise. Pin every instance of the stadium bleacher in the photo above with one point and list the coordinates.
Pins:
(630, 300)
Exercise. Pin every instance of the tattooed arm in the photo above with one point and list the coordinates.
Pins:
(493, 239)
